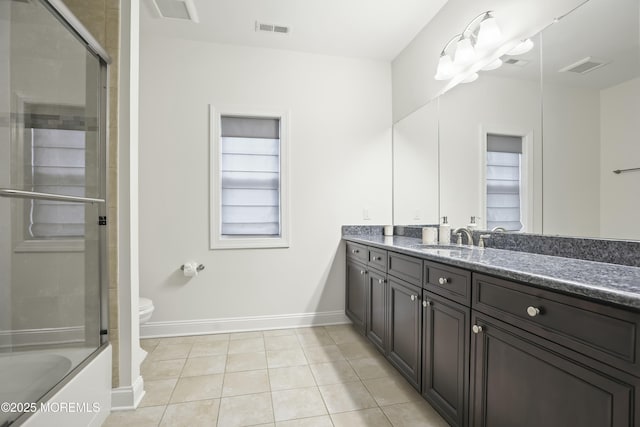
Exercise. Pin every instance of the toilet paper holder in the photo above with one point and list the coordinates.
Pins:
(199, 268)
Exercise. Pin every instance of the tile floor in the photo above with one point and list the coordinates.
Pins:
(322, 376)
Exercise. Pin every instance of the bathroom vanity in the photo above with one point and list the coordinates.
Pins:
(494, 337)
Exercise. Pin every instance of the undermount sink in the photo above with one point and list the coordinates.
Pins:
(447, 247)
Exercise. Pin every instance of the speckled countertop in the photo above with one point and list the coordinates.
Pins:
(597, 280)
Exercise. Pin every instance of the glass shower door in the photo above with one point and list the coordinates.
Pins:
(52, 192)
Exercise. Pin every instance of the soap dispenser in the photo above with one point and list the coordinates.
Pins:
(445, 232)
(472, 223)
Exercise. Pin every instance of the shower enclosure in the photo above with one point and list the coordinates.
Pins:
(52, 201)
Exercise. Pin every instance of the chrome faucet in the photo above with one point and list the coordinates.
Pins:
(459, 231)
(498, 229)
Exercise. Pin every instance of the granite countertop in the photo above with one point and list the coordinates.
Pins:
(612, 283)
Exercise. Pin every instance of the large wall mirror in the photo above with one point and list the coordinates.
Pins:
(533, 146)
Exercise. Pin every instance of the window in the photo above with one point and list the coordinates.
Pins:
(249, 181)
(504, 182)
(57, 165)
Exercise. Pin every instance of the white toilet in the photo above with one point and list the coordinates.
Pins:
(145, 309)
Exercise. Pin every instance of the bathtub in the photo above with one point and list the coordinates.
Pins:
(25, 377)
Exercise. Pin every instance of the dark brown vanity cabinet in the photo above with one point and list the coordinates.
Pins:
(445, 357)
(376, 313)
(355, 295)
(405, 329)
(519, 379)
(558, 359)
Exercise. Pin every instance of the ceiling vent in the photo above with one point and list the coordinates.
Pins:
(584, 66)
(176, 9)
(272, 28)
(516, 62)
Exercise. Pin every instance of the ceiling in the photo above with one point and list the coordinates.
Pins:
(375, 29)
(595, 29)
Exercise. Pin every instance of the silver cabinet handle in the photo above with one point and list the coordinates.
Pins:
(413, 297)
(361, 271)
(533, 311)
(381, 281)
(443, 280)
(426, 303)
(477, 329)
(355, 251)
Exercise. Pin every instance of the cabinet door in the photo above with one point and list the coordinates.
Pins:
(445, 357)
(405, 328)
(376, 324)
(355, 298)
(517, 381)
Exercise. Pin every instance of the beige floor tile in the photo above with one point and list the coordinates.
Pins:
(157, 392)
(284, 358)
(202, 413)
(372, 367)
(149, 344)
(313, 337)
(204, 366)
(414, 414)
(141, 417)
(391, 390)
(247, 382)
(333, 372)
(170, 352)
(245, 410)
(373, 417)
(346, 397)
(245, 335)
(279, 332)
(161, 369)
(328, 353)
(291, 377)
(281, 342)
(179, 340)
(343, 334)
(246, 362)
(246, 345)
(357, 349)
(197, 388)
(298, 403)
(212, 348)
(211, 338)
(322, 421)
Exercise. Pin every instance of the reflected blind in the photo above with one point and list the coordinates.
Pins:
(250, 176)
(504, 158)
(57, 166)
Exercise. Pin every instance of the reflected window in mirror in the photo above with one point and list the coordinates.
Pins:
(504, 182)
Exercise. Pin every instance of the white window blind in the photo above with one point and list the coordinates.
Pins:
(504, 159)
(57, 166)
(250, 176)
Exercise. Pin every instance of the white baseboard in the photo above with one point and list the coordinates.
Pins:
(127, 398)
(45, 336)
(240, 324)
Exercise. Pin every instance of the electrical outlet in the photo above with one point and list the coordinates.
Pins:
(365, 214)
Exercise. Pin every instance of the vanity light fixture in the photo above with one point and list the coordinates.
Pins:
(479, 36)
(493, 65)
(471, 78)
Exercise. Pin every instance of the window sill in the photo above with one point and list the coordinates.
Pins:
(248, 243)
(50, 246)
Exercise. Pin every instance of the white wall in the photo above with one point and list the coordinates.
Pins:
(494, 105)
(620, 149)
(415, 173)
(571, 161)
(413, 69)
(340, 163)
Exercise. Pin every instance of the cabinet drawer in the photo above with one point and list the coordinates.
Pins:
(405, 267)
(604, 333)
(357, 252)
(450, 282)
(378, 259)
